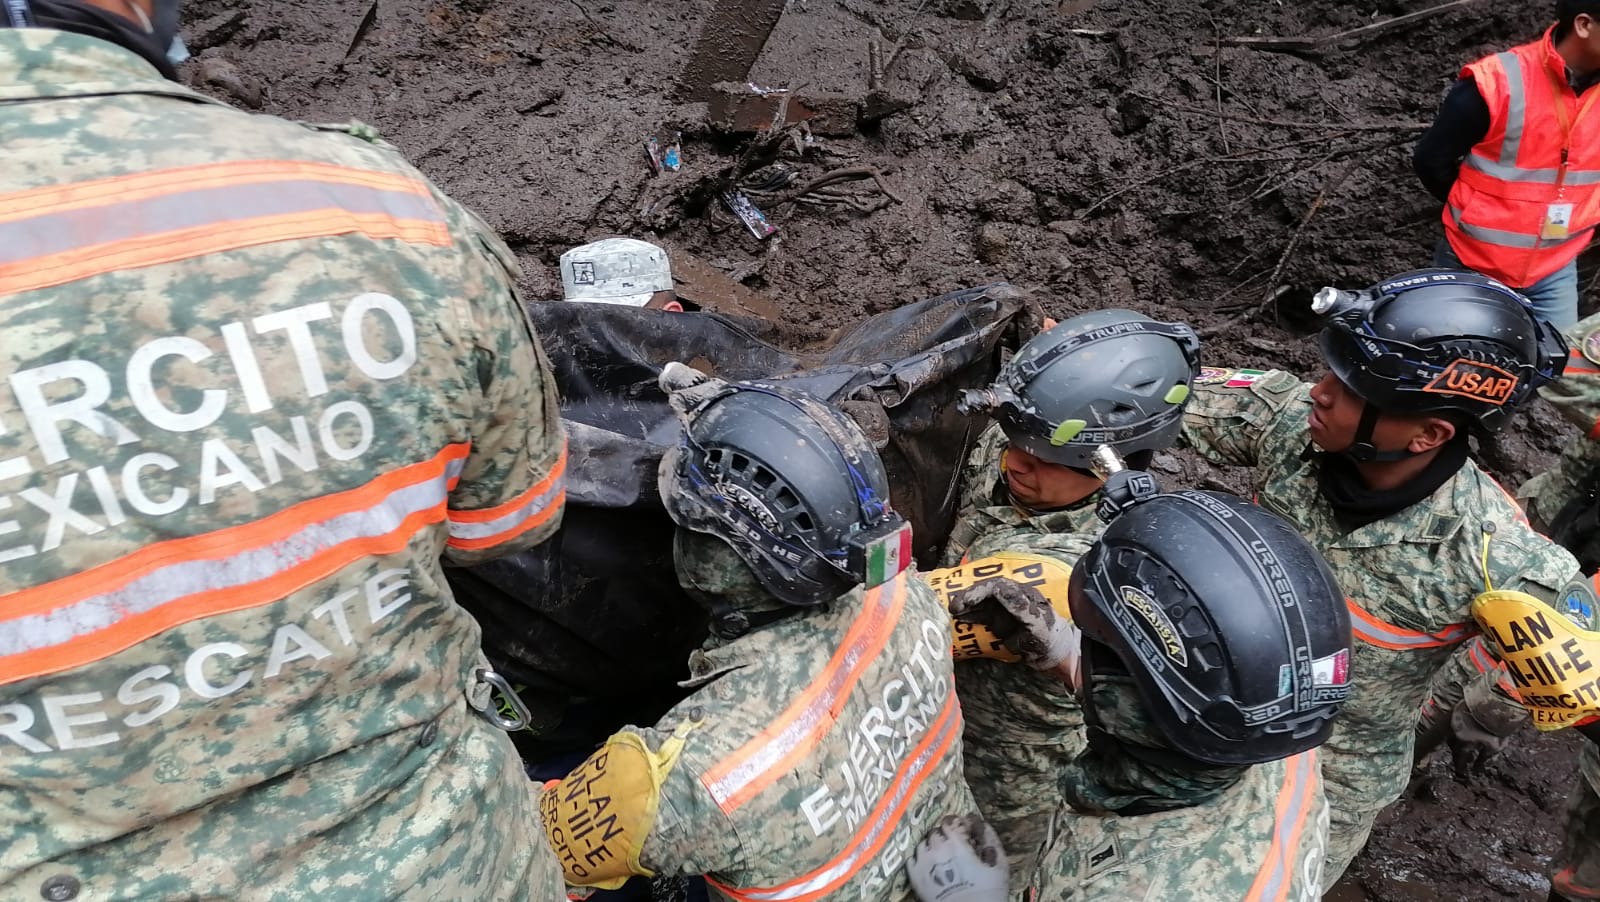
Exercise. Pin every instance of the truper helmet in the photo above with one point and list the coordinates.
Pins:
(1111, 377)
(1228, 621)
(1436, 341)
(790, 483)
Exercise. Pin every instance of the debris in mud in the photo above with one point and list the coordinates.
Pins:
(747, 213)
(731, 38)
(752, 108)
(664, 158)
(219, 74)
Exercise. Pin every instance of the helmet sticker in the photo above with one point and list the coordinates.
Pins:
(1213, 375)
(1474, 379)
(1334, 670)
(583, 273)
(1165, 633)
(750, 504)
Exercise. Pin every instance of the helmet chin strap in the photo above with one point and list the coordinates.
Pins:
(1362, 450)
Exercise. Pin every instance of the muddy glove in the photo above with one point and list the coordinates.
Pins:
(687, 388)
(960, 860)
(1480, 728)
(1025, 623)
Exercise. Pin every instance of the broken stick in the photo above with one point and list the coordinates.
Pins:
(1362, 33)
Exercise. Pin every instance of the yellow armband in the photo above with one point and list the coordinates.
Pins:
(597, 818)
(1554, 663)
(974, 640)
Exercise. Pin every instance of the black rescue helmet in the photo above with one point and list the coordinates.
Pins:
(1228, 621)
(1110, 377)
(1438, 341)
(792, 485)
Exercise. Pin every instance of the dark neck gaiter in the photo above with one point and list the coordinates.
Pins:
(1355, 505)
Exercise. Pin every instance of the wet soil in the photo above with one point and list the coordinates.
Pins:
(1110, 153)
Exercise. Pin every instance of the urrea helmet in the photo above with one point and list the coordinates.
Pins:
(1111, 377)
(789, 482)
(1229, 623)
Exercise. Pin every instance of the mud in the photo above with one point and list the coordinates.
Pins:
(1106, 154)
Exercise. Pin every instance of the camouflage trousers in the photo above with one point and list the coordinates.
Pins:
(1575, 870)
(1023, 729)
(1359, 785)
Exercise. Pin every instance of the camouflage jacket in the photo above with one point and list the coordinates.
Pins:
(1263, 838)
(1576, 396)
(1410, 578)
(260, 379)
(813, 755)
(1023, 726)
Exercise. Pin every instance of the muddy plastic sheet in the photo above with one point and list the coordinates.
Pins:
(593, 623)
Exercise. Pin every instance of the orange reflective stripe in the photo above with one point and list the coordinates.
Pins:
(51, 236)
(877, 827)
(1579, 365)
(1373, 631)
(755, 765)
(1296, 799)
(486, 528)
(103, 610)
(1484, 661)
(143, 185)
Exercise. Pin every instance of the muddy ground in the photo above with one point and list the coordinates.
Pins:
(1114, 153)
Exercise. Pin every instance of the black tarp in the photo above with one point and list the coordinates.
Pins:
(592, 623)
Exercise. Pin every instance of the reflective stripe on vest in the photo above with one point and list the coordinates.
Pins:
(878, 825)
(1496, 211)
(1503, 238)
(475, 529)
(98, 612)
(1301, 780)
(1373, 631)
(62, 233)
(755, 765)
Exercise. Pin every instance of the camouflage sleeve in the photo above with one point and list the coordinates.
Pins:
(1235, 413)
(1576, 396)
(636, 807)
(512, 488)
(1577, 393)
(978, 477)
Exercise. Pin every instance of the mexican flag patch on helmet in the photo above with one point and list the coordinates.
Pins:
(880, 555)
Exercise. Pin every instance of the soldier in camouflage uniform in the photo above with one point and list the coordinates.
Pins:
(822, 737)
(1215, 650)
(1575, 870)
(1111, 377)
(261, 377)
(1411, 527)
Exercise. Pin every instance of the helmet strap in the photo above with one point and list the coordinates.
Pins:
(1362, 450)
(729, 622)
(19, 13)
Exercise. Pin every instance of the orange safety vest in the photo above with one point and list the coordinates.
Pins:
(1542, 149)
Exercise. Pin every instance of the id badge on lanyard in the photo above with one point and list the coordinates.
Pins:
(1557, 224)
